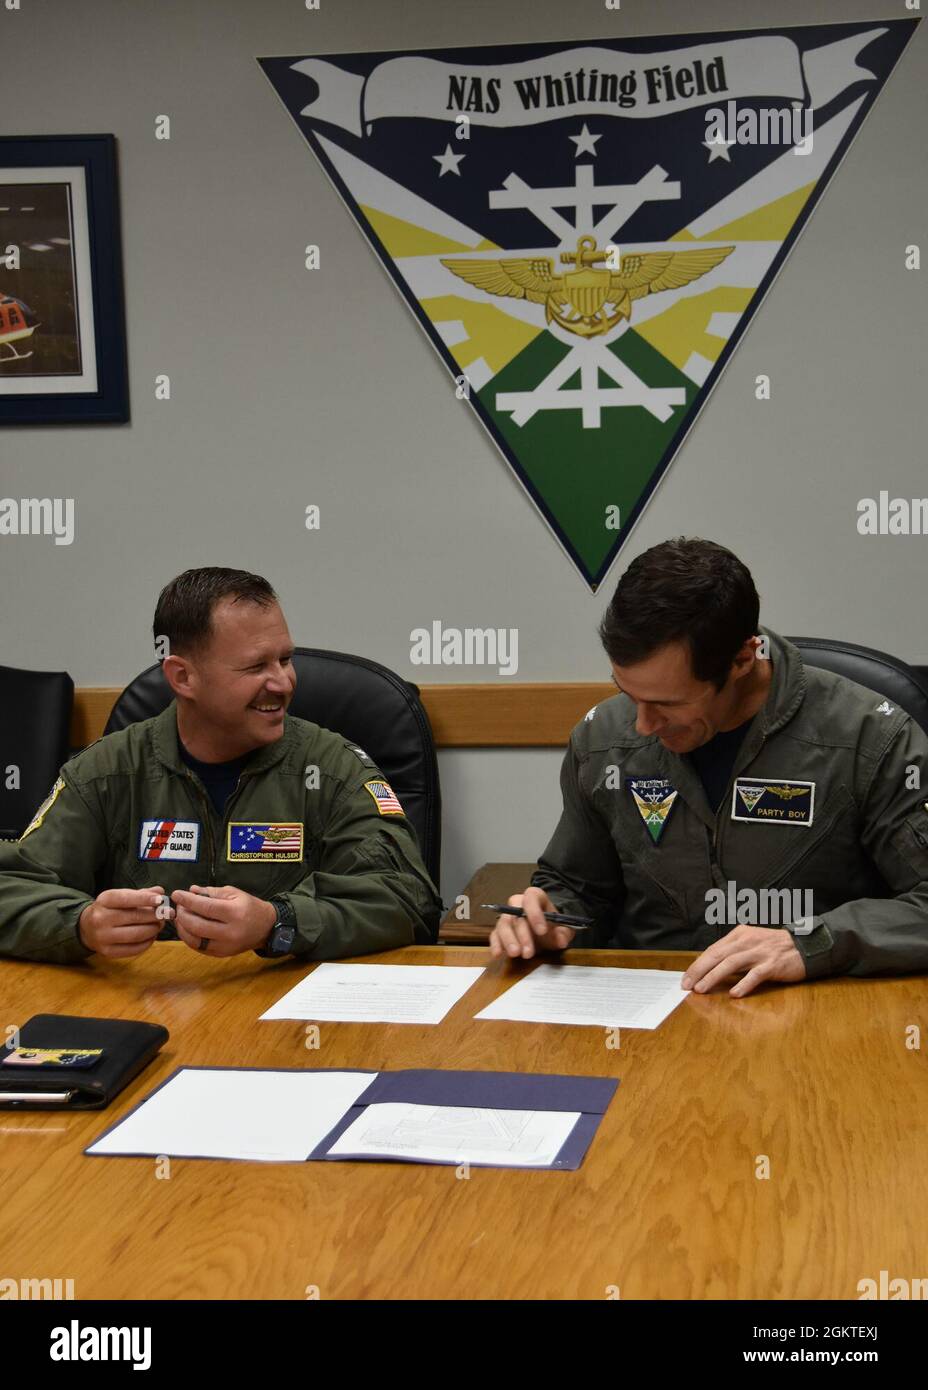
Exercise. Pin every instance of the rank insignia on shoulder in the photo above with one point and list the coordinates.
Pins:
(386, 798)
(654, 798)
(43, 810)
(360, 754)
(772, 801)
(260, 840)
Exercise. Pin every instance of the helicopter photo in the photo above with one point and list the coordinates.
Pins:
(17, 322)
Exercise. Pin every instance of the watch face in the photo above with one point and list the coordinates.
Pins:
(283, 939)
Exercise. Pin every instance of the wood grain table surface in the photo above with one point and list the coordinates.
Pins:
(816, 1079)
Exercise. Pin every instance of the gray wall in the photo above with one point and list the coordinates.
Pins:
(292, 388)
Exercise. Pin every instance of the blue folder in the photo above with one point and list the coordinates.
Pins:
(484, 1090)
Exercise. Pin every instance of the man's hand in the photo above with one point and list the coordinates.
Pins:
(759, 953)
(121, 922)
(522, 936)
(229, 920)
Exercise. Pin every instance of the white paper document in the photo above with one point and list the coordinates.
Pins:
(377, 993)
(269, 1116)
(458, 1134)
(602, 996)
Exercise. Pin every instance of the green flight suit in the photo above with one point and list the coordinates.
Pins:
(860, 848)
(128, 813)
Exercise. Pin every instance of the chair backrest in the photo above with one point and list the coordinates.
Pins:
(359, 699)
(887, 675)
(35, 717)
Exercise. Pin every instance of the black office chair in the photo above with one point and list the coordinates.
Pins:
(362, 701)
(35, 717)
(878, 671)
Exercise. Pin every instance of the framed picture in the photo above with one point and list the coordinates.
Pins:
(62, 322)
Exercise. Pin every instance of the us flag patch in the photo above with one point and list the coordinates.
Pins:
(386, 798)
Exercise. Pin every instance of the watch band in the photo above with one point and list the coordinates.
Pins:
(283, 932)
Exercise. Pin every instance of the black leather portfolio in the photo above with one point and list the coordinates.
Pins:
(64, 1062)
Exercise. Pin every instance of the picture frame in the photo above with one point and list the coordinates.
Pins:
(62, 316)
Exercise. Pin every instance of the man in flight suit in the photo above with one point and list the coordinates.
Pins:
(725, 764)
(266, 832)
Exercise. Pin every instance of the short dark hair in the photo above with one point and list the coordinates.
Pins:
(687, 589)
(184, 610)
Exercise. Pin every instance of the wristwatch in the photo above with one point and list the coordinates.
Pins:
(282, 933)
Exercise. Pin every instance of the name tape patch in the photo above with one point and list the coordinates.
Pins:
(261, 839)
(170, 839)
(773, 801)
(79, 1057)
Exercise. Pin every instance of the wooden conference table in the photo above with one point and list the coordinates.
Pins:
(817, 1077)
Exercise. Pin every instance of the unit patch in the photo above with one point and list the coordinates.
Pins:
(43, 810)
(654, 798)
(170, 839)
(262, 840)
(385, 797)
(779, 801)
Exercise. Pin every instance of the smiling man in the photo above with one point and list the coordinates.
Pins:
(265, 832)
(726, 774)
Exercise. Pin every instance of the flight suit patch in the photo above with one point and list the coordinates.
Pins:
(386, 798)
(654, 798)
(772, 801)
(170, 840)
(258, 840)
(43, 810)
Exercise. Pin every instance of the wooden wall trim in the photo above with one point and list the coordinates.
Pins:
(528, 715)
(90, 712)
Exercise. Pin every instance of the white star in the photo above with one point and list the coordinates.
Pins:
(718, 149)
(585, 142)
(449, 162)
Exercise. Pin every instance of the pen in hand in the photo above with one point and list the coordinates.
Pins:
(562, 918)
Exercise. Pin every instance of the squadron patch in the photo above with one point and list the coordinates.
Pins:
(43, 810)
(654, 798)
(261, 840)
(775, 802)
(170, 839)
(385, 797)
